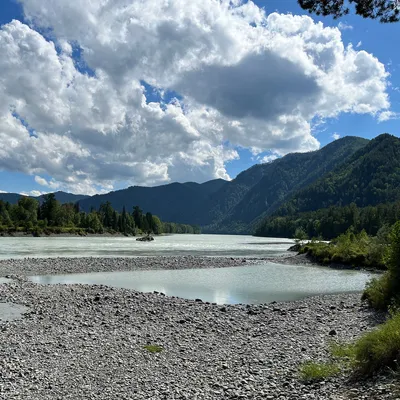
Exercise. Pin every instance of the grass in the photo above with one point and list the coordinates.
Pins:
(153, 348)
(376, 351)
(379, 349)
(342, 351)
(313, 371)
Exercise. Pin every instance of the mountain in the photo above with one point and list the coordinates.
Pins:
(186, 203)
(233, 207)
(280, 178)
(348, 170)
(371, 176)
(345, 196)
(62, 197)
(11, 198)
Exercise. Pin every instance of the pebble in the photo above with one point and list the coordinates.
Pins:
(88, 341)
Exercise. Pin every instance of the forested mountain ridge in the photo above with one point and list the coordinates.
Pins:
(282, 177)
(178, 202)
(62, 197)
(230, 206)
(363, 193)
(370, 177)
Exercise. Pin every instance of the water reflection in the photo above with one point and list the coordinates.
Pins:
(252, 284)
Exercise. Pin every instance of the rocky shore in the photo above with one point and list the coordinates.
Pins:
(64, 265)
(90, 342)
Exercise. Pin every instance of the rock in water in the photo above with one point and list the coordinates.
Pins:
(147, 238)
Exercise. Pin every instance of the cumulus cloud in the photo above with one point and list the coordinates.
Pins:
(335, 136)
(3, 191)
(225, 73)
(388, 115)
(43, 182)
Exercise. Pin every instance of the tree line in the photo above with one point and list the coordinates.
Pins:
(53, 217)
(328, 223)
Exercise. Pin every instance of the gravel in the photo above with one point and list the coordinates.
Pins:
(64, 265)
(88, 342)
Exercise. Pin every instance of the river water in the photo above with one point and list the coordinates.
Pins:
(169, 245)
(252, 284)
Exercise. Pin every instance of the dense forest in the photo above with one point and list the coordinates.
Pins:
(28, 215)
(363, 193)
(329, 223)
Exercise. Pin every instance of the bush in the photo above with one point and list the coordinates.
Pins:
(377, 292)
(385, 291)
(379, 349)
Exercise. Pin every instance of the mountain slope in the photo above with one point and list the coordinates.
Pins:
(281, 178)
(62, 197)
(371, 176)
(11, 198)
(175, 202)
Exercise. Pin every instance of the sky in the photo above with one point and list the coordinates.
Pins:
(99, 96)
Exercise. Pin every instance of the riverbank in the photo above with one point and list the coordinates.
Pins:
(65, 265)
(306, 259)
(88, 342)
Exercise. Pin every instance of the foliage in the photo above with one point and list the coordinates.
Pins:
(385, 291)
(379, 349)
(153, 348)
(356, 250)
(329, 223)
(53, 217)
(300, 236)
(385, 10)
(374, 352)
(312, 371)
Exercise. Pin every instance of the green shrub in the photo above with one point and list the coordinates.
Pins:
(312, 371)
(377, 292)
(385, 291)
(153, 348)
(380, 348)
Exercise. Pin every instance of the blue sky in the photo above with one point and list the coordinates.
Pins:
(375, 38)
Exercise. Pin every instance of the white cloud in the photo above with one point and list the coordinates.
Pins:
(33, 193)
(268, 158)
(388, 115)
(244, 78)
(359, 44)
(43, 182)
(343, 26)
(335, 136)
(3, 191)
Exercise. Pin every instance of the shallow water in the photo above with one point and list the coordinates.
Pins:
(171, 245)
(253, 284)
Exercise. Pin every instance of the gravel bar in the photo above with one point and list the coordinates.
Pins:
(64, 265)
(88, 341)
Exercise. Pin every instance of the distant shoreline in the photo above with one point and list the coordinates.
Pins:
(64, 234)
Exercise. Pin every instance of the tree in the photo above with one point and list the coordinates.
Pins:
(49, 208)
(300, 236)
(385, 10)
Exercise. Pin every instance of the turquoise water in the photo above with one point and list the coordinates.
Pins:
(172, 245)
(252, 284)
